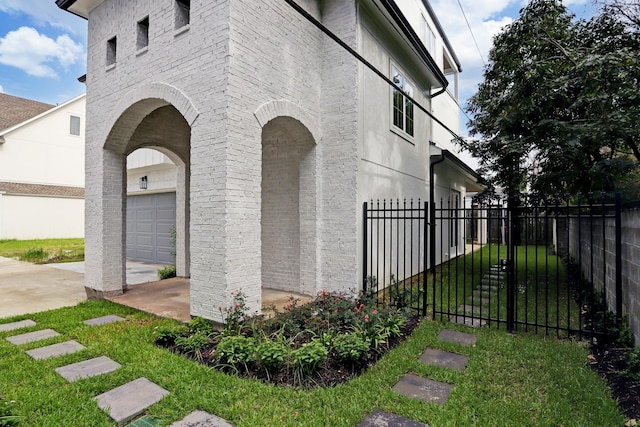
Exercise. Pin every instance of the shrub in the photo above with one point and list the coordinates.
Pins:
(167, 336)
(235, 350)
(308, 357)
(633, 363)
(272, 355)
(36, 255)
(167, 272)
(200, 324)
(234, 315)
(352, 348)
(193, 344)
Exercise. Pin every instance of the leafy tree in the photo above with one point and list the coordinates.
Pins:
(558, 108)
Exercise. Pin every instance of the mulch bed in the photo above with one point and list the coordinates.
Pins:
(331, 373)
(610, 362)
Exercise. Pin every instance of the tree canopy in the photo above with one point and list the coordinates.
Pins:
(558, 108)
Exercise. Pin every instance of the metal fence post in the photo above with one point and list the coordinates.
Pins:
(618, 258)
(512, 208)
(364, 248)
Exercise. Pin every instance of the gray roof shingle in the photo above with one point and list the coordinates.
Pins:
(14, 110)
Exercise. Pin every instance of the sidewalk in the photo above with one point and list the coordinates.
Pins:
(28, 288)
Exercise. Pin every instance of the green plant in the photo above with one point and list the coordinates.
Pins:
(234, 350)
(167, 336)
(7, 415)
(36, 255)
(352, 348)
(193, 344)
(272, 354)
(200, 325)
(307, 358)
(167, 272)
(234, 315)
(633, 363)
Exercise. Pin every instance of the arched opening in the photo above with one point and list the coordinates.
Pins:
(288, 209)
(151, 211)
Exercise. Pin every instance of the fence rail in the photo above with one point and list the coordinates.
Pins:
(529, 266)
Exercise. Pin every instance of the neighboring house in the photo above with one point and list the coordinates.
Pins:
(41, 168)
(278, 134)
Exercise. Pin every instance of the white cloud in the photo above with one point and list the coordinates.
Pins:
(1, 89)
(45, 12)
(37, 54)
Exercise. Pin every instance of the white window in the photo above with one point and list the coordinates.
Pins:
(402, 106)
(428, 37)
(74, 125)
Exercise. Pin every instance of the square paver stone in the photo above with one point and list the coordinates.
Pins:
(378, 418)
(423, 389)
(17, 325)
(201, 419)
(104, 320)
(457, 337)
(467, 321)
(88, 368)
(445, 359)
(32, 336)
(129, 400)
(55, 350)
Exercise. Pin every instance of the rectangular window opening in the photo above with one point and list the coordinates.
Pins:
(74, 125)
(111, 51)
(402, 105)
(143, 34)
(182, 9)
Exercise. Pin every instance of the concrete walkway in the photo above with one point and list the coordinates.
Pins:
(29, 288)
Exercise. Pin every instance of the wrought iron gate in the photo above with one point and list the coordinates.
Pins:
(533, 265)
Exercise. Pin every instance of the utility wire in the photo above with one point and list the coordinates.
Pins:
(471, 31)
(348, 48)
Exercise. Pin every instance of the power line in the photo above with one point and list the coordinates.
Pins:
(355, 54)
(472, 35)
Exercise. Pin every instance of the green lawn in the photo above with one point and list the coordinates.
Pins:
(44, 250)
(522, 380)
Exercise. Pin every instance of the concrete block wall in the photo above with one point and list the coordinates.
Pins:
(602, 270)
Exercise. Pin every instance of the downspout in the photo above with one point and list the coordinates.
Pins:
(432, 211)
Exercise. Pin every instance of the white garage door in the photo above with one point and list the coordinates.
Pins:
(151, 220)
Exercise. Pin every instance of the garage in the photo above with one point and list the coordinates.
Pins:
(151, 222)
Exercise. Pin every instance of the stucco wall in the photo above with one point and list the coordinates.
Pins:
(43, 151)
(33, 217)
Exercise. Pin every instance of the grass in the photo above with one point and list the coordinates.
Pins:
(543, 295)
(43, 251)
(522, 380)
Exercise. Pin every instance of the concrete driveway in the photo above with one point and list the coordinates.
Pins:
(29, 288)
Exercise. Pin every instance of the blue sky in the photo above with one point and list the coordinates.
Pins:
(42, 51)
(43, 48)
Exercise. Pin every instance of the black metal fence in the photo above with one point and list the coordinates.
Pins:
(533, 265)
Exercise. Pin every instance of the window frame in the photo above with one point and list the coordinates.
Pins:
(405, 115)
(72, 127)
(182, 15)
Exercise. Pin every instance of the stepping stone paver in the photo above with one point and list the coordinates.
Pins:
(55, 350)
(423, 389)
(444, 359)
(478, 300)
(129, 400)
(104, 320)
(145, 421)
(32, 336)
(378, 418)
(457, 337)
(17, 325)
(467, 321)
(201, 419)
(475, 309)
(87, 368)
